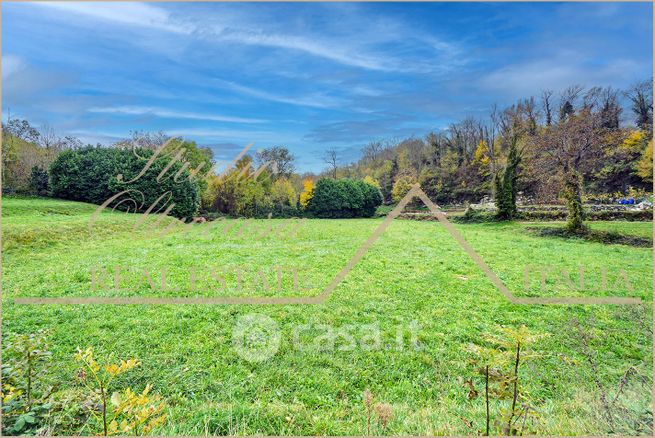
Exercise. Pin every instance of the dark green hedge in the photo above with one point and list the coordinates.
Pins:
(90, 175)
(344, 198)
(472, 216)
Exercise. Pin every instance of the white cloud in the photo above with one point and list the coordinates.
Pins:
(557, 73)
(11, 65)
(129, 14)
(313, 100)
(205, 135)
(159, 112)
(233, 135)
(333, 50)
(352, 50)
(23, 83)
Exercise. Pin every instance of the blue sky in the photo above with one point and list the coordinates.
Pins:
(307, 76)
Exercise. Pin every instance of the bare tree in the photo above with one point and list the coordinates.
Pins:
(143, 139)
(280, 157)
(21, 129)
(49, 139)
(26, 151)
(416, 153)
(70, 142)
(572, 146)
(610, 109)
(491, 130)
(331, 158)
(568, 101)
(641, 96)
(437, 144)
(371, 152)
(530, 113)
(464, 137)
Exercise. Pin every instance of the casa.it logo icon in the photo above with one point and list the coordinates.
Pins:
(256, 337)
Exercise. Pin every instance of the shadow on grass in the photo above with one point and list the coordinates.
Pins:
(606, 237)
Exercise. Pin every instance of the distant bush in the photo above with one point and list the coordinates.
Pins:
(629, 215)
(543, 215)
(39, 181)
(284, 211)
(329, 199)
(383, 210)
(90, 175)
(344, 198)
(372, 198)
(473, 215)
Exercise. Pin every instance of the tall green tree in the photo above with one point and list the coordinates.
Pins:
(505, 183)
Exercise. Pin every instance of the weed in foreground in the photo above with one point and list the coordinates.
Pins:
(383, 413)
(131, 413)
(499, 365)
(25, 398)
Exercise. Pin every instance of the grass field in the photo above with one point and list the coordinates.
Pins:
(414, 273)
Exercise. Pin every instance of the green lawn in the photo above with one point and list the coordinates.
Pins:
(414, 272)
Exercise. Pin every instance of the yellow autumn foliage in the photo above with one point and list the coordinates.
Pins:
(307, 193)
(136, 413)
(634, 142)
(132, 413)
(481, 155)
(645, 164)
(371, 181)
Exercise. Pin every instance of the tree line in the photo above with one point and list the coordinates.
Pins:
(151, 172)
(568, 146)
(577, 144)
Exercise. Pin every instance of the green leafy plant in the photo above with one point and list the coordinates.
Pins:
(25, 396)
(130, 412)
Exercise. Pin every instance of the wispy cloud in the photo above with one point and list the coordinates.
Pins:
(244, 136)
(11, 65)
(334, 50)
(125, 13)
(361, 130)
(353, 49)
(24, 82)
(164, 113)
(305, 75)
(316, 100)
(524, 79)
